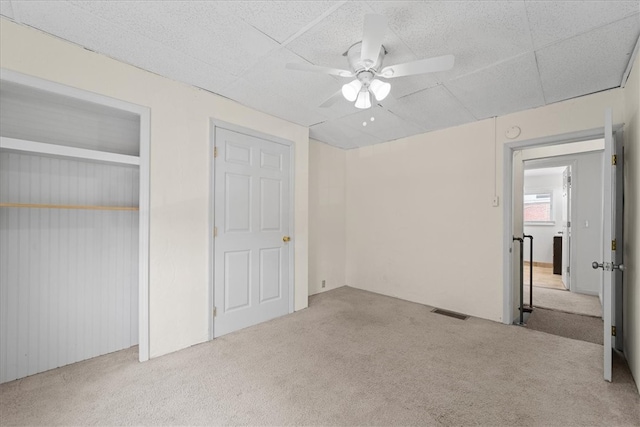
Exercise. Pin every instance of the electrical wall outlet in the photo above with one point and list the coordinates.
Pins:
(324, 283)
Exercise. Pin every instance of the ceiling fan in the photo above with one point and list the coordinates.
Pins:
(365, 60)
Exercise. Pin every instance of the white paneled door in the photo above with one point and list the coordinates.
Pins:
(252, 240)
(611, 262)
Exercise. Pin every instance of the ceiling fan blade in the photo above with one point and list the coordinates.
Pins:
(375, 27)
(429, 65)
(332, 99)
(318, 69)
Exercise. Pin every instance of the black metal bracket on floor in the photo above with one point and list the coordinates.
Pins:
(521, 240)
(530, 237)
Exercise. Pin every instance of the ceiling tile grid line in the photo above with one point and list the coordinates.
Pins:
(459, 102)
(632, 60)
(314, 22)
(160, 50)
(6, 9)
(391, 30)
(124, 28)
(554, 16)
(489, 66)
(200, 29)
(588, 63)
(128, 30)
(15, 15)
(636, 15)
(536, 57)
(544, 98)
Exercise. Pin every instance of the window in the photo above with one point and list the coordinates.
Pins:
(537, 208)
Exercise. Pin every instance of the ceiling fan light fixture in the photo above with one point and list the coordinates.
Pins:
(350, 90)
(380, 89)
(364, 100)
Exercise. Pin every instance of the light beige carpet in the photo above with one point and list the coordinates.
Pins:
(351, 358)
(570, 302)
(569, 325)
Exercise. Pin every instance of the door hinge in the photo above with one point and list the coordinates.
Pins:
(568, 224)
(568, 270)
(569, 180)
(614, 159)
(613, 245)
(215, 152)
(215, 311)
(613, 331)
(215, 231)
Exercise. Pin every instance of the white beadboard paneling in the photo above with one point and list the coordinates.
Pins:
(38, 115)
(68, 277)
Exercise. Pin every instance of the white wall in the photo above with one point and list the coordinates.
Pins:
(420, 224)
(180, 193)
(327, 233)
(543, 233)
(632, 221)
(420, 221)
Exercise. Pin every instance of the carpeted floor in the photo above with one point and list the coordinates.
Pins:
(569, 325)
(570, 302)
(351, 358)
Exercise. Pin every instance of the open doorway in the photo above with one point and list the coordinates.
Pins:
(608, 271)
(562, 212)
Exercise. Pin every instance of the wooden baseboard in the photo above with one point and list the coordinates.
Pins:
(540, 264)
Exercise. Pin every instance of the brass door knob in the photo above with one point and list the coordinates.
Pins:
(286, 239)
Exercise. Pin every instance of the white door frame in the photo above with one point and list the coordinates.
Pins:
(145, 143)
(508, 291)
(215, 123)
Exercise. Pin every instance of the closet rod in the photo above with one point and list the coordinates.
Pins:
(85, 207)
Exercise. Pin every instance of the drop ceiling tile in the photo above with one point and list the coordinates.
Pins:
(478, 33)
(257, 95)
(6, 9)
(504, 88)
(386, 126)
(325, 43)
(198, 29)
(588, 63)
(552, 21)
(338, 134)
(311, 89)
(339, 109)
(403, 86)
(270, 16)
(81, 27)
(432, 109)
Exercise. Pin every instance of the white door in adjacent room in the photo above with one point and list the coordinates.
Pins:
(252, 243)
(611, 261)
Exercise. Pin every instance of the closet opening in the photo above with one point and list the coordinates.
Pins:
(74, 226)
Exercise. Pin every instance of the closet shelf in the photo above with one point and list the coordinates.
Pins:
(83, 207)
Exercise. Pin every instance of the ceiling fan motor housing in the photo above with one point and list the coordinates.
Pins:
(358, 66)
